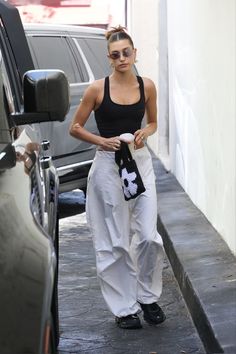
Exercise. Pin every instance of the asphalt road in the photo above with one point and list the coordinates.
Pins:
(86, 326)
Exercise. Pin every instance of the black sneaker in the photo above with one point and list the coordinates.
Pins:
(152, 313)
(128, 322)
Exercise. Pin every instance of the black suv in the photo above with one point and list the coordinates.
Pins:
(28, 194)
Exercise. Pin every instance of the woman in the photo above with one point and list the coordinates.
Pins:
(129, 251)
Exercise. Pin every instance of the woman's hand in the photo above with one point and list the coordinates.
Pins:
(110, 144)
(140, 136)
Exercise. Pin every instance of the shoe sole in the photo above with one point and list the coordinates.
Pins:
(153, 323)
(138, 325)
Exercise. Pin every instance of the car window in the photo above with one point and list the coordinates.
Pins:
(95, 50)
(55, 53)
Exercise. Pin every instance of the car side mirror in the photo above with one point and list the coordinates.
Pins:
(46, 97)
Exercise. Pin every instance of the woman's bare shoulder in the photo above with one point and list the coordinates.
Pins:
(149, 88)
(94, 89)
(98, 84)
(148, 83)
(95, 92)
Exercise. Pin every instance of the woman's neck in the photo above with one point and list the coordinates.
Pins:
(123, 77)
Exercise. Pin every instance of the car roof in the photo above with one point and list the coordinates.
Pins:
(66, 29)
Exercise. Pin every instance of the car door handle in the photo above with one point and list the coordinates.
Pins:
(45, 144)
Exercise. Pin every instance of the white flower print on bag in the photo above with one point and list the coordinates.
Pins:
(131, 180)
(130, 188)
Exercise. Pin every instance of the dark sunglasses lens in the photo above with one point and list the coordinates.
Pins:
(127, 52)
(115, 55)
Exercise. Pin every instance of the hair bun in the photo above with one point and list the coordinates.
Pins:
(113, 30)
(117, 34)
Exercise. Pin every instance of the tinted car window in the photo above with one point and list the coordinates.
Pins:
(55, 53)
(95, 50)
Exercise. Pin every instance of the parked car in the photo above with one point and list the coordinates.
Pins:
(28, 194)
(81, 52)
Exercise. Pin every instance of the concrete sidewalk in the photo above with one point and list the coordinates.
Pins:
(86, 325)
(202, 263)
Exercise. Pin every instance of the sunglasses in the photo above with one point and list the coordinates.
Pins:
(127, 52)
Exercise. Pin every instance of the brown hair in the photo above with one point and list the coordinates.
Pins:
(116, 34)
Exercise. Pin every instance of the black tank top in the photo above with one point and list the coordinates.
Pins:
(114, 119)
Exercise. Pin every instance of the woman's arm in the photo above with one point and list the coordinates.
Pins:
(81, 116)
(87, 105)
(151, 112)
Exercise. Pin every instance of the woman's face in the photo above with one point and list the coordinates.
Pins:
(122, 55)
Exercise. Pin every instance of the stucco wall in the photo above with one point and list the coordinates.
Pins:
(188, 48)
(202, 59)
(142, 23)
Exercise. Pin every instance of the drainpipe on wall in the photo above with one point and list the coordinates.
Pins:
(163, 89)
(125, 12)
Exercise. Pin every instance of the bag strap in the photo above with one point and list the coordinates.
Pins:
(123, 155)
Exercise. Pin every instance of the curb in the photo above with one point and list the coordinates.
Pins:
(202, 263)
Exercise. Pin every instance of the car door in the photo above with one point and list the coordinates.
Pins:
(58, 52)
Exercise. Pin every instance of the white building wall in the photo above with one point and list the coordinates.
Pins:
(202, 114)
(188, 48)
(142, 23)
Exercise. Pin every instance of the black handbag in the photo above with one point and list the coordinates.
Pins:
(132, 183)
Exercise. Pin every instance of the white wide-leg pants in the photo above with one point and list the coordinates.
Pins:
(129, 250)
